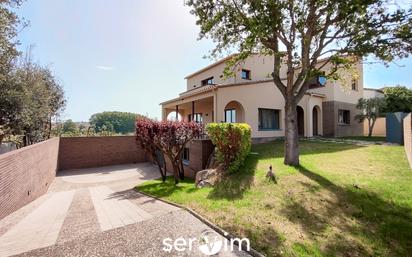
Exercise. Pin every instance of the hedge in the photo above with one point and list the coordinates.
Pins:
(232, 141)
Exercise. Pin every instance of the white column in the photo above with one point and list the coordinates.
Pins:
(164, 114)
(309, 119)
(215, 107)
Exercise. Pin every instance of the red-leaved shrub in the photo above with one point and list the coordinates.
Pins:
(169, 137)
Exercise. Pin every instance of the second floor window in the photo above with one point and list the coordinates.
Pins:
(344, 117)
(246, 74)
(269, 119)
(208, 81)
(354, 85)
(230, 115)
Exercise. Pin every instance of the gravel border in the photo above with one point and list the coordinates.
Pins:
(220, 231)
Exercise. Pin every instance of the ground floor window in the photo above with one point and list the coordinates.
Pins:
(230, 115)
(344, 117)
(197, 117)
(185, 156)
(269, 119)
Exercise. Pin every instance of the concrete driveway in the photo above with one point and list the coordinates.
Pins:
(96, 212)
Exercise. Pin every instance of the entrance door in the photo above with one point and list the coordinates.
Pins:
(315, 121)
(301, 121)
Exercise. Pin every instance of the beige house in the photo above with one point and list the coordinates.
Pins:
(250, 96)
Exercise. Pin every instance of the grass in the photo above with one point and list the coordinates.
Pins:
(344, 200)
(366, 138)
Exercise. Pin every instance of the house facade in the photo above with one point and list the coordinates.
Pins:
(250, 96)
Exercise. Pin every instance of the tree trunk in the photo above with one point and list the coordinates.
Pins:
(182, 170)
(291, 133)
(162, 173)
(162, 166)
(1, 139)
(49, 127)
(371, 127)
(176, 172)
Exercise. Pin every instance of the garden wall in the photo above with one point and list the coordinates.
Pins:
(88, 152)
(26, 173)
(407, 137)
(394, 127)
(378, 130)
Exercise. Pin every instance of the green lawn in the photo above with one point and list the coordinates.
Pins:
(344, 200)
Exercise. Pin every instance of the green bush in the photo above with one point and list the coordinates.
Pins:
(232, 141)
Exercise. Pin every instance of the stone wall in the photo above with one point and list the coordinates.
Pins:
(26, 173)
(87, 152)
(378, 130)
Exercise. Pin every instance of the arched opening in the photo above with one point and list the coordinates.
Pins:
(172, 116)
(301, 121)
(316, 120)
(234, 112)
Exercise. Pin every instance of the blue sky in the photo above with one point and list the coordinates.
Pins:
(130, 55)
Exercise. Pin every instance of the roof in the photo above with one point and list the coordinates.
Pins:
(208, 88)
(191, 92)
(211, 66)
(231, 56)
(374, 89)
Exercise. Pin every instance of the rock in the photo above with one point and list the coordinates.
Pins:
(206, 178)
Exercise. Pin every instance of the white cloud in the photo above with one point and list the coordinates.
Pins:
(102, 67)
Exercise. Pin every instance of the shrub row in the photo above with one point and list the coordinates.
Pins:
(232, 141)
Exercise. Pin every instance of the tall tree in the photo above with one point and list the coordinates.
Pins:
(9, 25)
(398, 99)
(299, 33)
(69, 127)
(41, 99)
(30, 95)
(370, 110)
(118, 122)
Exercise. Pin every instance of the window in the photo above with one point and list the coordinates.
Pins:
(354, 85)
(320, 81)
(269, 119)
(230, 115)
(185, 156)
(208, 81)
(344, 117)
(246, 74)
(197, 117)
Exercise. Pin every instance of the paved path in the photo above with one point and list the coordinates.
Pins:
(96, 212)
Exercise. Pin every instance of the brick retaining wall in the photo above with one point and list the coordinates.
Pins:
(87, 152)
(26, 173)
(407, 137)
